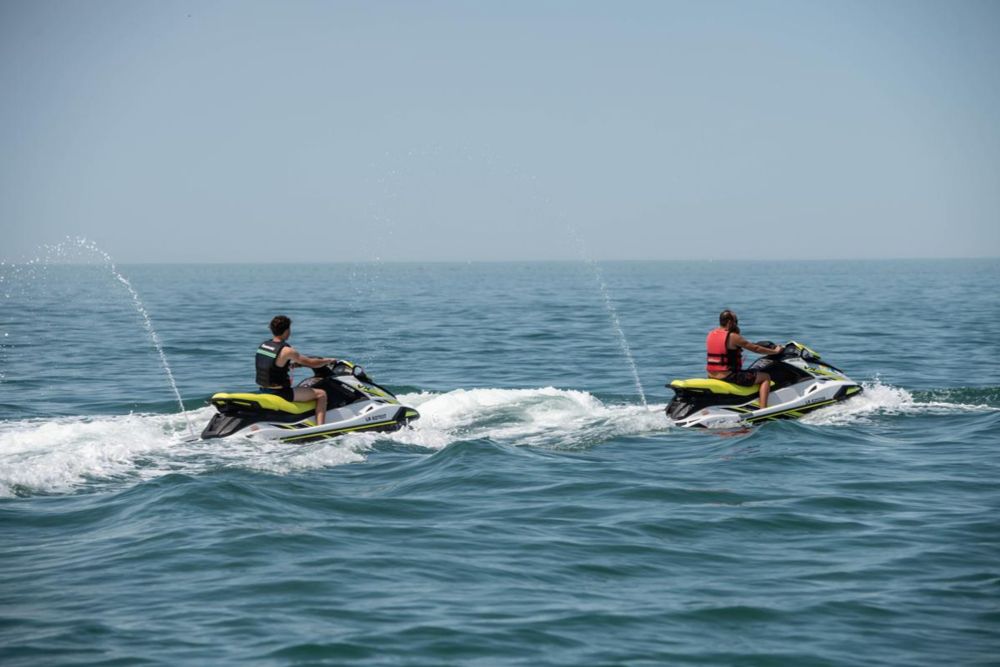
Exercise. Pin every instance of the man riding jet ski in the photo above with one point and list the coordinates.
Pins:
(354, 404)
(275, 358)
(339, 392)
(799, 383)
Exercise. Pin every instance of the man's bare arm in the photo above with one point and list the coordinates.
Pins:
(302, 360)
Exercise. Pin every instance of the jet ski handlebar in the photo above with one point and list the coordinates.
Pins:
(337, 367)
(770, 345)
(341, 367)
(791, 348)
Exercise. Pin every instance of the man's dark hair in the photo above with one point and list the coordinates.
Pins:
(280, 324)
(727, 319)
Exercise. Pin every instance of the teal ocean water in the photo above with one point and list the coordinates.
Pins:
(542, 512)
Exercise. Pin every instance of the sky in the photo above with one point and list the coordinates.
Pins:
(252, 131)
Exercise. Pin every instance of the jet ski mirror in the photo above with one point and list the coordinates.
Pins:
(359, 372)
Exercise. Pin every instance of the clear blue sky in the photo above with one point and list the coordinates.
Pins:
(312, 131)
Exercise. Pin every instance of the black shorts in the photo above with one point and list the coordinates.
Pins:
(286, 393)
(742, 378)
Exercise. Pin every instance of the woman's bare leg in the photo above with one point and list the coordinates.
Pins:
(765, 389)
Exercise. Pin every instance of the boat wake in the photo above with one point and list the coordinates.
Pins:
(880, 399)
(88, 454)
(547, 417)
(72, 454)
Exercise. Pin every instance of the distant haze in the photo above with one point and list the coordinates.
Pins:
(315, 131)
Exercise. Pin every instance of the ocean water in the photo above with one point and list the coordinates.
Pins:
(539, 513)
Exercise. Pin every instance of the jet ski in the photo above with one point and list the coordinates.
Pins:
(354, 404)
(800, 383)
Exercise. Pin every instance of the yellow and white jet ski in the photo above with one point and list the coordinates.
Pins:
(354, 404)
(800, 383)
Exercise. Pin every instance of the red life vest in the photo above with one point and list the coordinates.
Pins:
(720, 357)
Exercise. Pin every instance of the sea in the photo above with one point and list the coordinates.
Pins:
(542, 511)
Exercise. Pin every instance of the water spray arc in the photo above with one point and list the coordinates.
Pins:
(609, 305)
(619, 331)
(88, 245)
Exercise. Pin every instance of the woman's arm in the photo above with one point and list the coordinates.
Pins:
(740, 341)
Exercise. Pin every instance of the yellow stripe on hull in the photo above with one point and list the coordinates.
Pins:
(268, 402)
(331, 434)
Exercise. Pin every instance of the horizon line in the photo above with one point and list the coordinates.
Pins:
(36, 260)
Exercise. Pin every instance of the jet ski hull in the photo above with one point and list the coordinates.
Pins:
(387, 418)
(789, 403)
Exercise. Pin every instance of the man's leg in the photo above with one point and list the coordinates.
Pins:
(318, 395)
(320, 406)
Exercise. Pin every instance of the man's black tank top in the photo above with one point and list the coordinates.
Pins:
(269, 373)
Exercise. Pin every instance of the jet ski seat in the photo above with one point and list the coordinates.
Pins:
(702, 385)
(260, 402)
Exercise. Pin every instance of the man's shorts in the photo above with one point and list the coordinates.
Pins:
(286, 393)
(742, 378)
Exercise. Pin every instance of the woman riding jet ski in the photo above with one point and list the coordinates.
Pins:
(799, 383)
(354, 403)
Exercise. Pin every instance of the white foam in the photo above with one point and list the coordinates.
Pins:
(64, 454)
(60, 454)
(539, 417)
(882, 399)
(282, 458)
